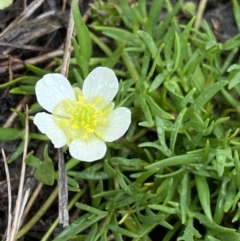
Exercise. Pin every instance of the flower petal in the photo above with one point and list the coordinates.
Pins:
(52, 89)
(101, 82)
(46, 125)
(91, 150)
(118, 123)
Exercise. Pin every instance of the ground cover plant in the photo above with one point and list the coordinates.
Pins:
(175, 174)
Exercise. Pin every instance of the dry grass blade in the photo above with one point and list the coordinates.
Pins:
(25, 14)
(19, 202)
(9, 196)
(201, 9)
(18, 64)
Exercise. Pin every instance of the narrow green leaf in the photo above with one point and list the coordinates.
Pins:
(175, 161)
(204, 195)
(90, 209)
(10, 134)
(122, 231)
(78, 226)
(212, 225)
(150, 44)
(177, 52)
(230, 99)
(92, 233)
(231, 194)
(163, 208)
(77, 54)
(156, 109)
(72, 183)
(207, 94)
(237, 168)
(188, 98)
(234, 81)
(185, 197)
(83, 37)
(219, 213)
(158, 80)
(32, 161)
(146, 110)
(17, 153)
(36, 70)
(162, 26)
(169, 38)
(175, 129)
(88, 175)
(121, 180)
(124, 36)
(114, 57)
(236, 11)
(153, 16)
(184, 42)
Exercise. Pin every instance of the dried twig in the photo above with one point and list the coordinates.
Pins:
(62, 181)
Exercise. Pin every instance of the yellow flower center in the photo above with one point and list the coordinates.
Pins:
(80, 119)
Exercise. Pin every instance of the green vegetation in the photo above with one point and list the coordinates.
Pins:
(177, 170)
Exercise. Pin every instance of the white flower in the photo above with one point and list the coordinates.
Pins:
(83, 120)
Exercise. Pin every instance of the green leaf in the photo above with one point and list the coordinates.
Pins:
(230, 99)
(162, 26)
(219, 213)
(183, 42)
(84, 39)
(45, 172)
(10, 134)
(207, 94)
(212, 225)
(32, 161)
(153, 16)
(234, 81)
(90, 209)
(78, 226)
(175, 128)
(17, 152)
(156, 109)
(73, 185)
(236, 11)
(114, 57)
(146, 111)
(204, 195)
(150, 45)
(124, 36)
(231, 194)
(160, 124)
(38, 71)
(185, 198)
(122, 231)
(21, 116)
(158, 80)
(175, 161)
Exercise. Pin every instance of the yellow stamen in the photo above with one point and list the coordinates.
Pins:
(79, 119)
